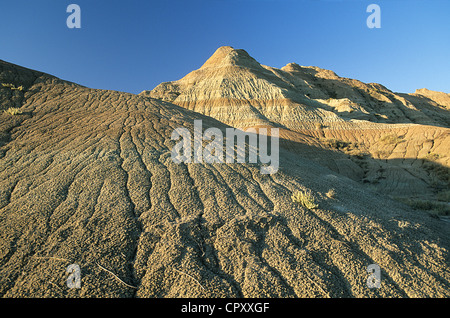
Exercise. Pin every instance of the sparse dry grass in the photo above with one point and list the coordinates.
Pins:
(381, 154)
(12, 87)
(444, 196)
(331, 193)
(439, 173)
(335, 143)
(13, 111)
(432, 207)
(305, 198)
(432, 156)
(391, 139)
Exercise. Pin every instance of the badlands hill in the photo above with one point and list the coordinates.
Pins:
(397, 144)
(86, 178)
(234, 88)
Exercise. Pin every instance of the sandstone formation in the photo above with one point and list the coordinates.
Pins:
(234, 88)
(394, 143)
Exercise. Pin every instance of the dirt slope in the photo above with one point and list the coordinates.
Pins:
(86, 178)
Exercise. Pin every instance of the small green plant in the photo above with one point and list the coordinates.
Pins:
(305, 198)
(13, 111)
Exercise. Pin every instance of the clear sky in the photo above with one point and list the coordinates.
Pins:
(134, 45)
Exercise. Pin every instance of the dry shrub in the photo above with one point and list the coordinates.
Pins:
(305, 198)
(13, 111)
(331, 193)
(391, 139)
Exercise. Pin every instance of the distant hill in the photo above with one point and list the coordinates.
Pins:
(233, 87)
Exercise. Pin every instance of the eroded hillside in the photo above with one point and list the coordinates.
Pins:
(86, 178)
(233, 87)
(394, 143)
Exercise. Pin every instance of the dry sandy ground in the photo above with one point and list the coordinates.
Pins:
(86, 178)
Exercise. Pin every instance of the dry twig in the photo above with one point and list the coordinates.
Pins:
(117, 277)
(190, 277)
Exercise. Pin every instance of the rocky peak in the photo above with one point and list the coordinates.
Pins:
(228, 56)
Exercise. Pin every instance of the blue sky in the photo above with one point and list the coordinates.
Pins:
(135, 45)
